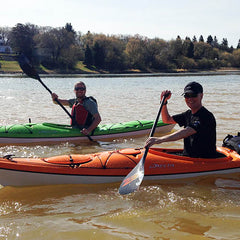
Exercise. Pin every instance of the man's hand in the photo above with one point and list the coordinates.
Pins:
(151, 141)
(54, 96)
(85, 131)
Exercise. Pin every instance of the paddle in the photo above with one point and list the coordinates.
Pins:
(30, 71)
(133, 180)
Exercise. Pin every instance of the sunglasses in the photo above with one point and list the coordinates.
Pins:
(80, 88)
(190, 95)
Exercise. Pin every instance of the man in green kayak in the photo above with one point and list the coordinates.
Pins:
(84, 113)
(199, 132)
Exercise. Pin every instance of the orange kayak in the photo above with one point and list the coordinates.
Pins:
(113, 166)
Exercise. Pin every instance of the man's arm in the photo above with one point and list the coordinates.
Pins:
(62, 101)
(180, 134)
(166, 116)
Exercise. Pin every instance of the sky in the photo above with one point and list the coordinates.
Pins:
(165, 19)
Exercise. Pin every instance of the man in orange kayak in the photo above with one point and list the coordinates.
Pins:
(85, 113)
(199, 132)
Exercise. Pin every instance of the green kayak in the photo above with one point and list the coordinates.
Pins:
(36, 133)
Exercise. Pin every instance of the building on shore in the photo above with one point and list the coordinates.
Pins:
(4, 48)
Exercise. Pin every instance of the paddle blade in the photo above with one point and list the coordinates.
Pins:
(27, 67)
(133, 180)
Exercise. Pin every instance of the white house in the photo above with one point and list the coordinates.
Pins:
(4, 48)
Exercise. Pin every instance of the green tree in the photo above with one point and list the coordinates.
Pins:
(108, 52)
(157, 54)
(186, 63)
(194, 39)
(236, 58)
(68, 58)
(201, 39)
(175, 48)
(69, 28)
(99, 55)
(226, 59)
(238, 46)
(55, 47)
(115, 55)
(224, 45)
(136, 52)
(205, 63)
(86, 39)
(210, 40)
(21, 38)
(204, 50)
(88, 56)
(215, 43)
(188, 48)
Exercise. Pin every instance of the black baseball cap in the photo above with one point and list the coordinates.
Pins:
(193, 87)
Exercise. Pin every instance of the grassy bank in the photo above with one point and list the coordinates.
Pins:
(9, 67)
(12, 67)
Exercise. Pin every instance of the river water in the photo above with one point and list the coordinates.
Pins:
(203, 209)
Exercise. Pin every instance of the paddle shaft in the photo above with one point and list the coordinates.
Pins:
(58, 102)
(154, 127)
(31, 72)
(133, 180)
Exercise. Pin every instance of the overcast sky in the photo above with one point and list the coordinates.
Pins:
(164, 19)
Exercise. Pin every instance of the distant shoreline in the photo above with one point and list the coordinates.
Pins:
(102, 75)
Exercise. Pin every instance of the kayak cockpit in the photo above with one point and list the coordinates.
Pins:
(222, 155)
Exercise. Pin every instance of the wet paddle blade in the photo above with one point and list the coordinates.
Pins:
(133, 180)
(27, 67)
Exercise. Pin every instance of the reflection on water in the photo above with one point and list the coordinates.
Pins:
(204, 209)
(176, 211)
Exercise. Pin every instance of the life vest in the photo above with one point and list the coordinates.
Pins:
(81, 117)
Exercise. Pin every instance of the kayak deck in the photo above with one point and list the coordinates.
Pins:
(113, 166)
